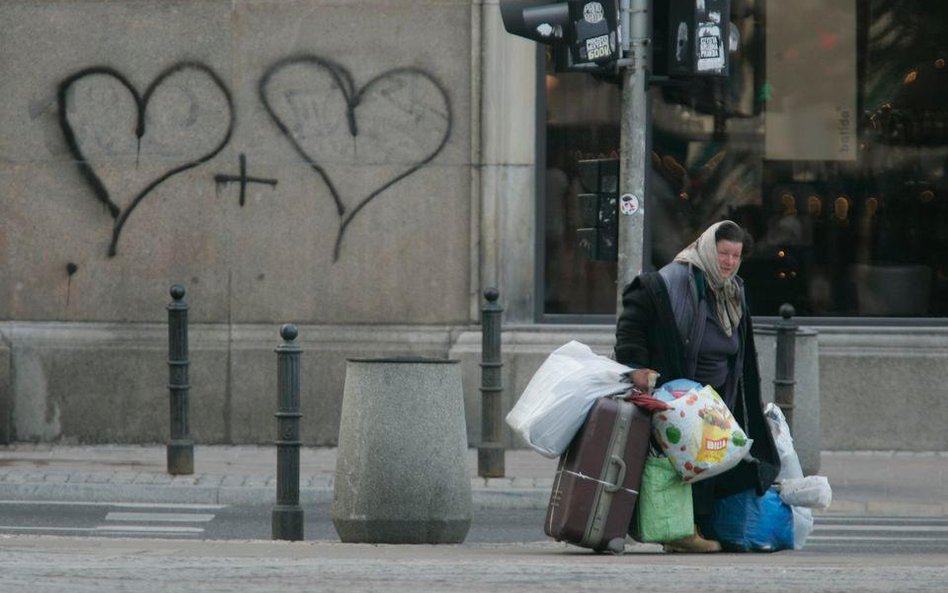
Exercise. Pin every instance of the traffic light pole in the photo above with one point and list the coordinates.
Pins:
(633, 143)
(595, 37)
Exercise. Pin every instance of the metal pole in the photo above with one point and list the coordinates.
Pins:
(287, 513)
(490, 453)
(634, 135)
(181, 446)
(784, 366)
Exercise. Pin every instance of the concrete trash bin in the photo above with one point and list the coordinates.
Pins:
(401, 466)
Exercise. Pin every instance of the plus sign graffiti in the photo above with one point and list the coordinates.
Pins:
(243, 179)
(359, 140)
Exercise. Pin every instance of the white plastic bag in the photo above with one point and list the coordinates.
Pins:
(555, 403)
(802, 526)
(795, 490)
(699, 434)
(789, 461)
(812, 492)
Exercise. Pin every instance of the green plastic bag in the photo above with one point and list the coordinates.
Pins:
(663, 511)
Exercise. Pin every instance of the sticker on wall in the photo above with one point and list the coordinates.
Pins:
(629, 204)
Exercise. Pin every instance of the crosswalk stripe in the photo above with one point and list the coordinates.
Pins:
(827, 517)
(869, 538)
(33, 528)
(148, 529)
(148, 519)
(872, 531)
(162, 517)
(914, 528)
(156, 517)
(119, 505)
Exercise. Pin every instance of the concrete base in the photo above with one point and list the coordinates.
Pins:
(287, 523)
(858, 388)
(181, 457)
(401, 467)
(433, 531)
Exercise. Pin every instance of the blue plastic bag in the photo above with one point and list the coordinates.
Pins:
(745, 522)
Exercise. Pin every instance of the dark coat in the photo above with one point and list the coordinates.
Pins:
(648, 335)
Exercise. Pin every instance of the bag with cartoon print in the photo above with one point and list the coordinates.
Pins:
(699, 433)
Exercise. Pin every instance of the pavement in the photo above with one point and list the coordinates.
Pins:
(873, 482)
(883, 483)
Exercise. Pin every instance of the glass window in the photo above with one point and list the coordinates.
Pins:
(828, 141)
(582, 124)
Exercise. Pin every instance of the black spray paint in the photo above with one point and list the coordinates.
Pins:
(243, 179)
(344, 80)
(141, 102)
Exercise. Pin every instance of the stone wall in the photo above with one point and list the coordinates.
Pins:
(362, 169)
(303, 161)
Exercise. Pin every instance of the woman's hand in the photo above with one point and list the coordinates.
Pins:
(644, 379)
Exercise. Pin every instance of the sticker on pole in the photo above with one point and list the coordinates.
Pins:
(593, 13)
(629, 204)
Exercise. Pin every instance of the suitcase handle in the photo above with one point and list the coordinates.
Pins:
(619, 478)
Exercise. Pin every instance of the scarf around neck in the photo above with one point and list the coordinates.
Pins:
(703, 254)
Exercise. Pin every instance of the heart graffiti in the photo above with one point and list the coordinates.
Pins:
(119, 214)
(401, 116)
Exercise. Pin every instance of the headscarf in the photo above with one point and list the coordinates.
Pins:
(703, 254)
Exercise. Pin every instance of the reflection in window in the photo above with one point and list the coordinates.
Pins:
(828, 142)
(582, 124)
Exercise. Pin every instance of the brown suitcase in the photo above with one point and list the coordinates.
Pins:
(598, 477)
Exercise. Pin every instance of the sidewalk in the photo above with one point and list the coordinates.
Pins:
(863, 482)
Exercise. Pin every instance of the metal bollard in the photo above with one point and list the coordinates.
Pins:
(287, 518)
(784, 367)
(181, 446)
(490, 453)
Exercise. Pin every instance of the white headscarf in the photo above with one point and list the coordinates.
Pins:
(703, 254)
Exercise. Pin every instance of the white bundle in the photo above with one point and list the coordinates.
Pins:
(554, 405)
(812, 492)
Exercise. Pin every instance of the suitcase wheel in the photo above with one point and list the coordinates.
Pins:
(615, 546)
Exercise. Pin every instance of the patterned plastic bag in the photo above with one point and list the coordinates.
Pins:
(698, 434)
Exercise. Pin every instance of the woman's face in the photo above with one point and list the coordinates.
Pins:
(729, 257)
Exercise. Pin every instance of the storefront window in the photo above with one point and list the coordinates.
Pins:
(828, 141)
(582, 124)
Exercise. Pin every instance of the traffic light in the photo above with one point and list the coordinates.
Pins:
(584, 34)
(599, 208)
(690, 38)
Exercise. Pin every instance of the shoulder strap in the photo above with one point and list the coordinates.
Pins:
(665, 318)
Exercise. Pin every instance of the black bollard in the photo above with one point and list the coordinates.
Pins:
(784, 366)
(181, 446)
(490, 453)
(287, 513)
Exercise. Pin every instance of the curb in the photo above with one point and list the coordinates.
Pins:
(882, 508)
(489, 496)
(482, 497)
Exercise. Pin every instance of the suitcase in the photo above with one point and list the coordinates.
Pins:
(597, 478)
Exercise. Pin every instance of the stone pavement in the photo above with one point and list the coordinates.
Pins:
(879, 482)
(51, 564)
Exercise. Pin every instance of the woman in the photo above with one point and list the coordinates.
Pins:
(690, 320)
